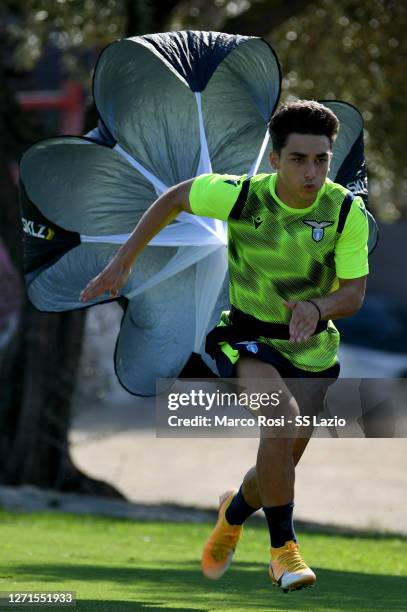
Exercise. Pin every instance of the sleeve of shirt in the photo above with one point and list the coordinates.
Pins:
(214, 195)
(351, 251)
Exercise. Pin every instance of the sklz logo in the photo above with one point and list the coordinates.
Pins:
(37, 230)
(318, 229)
(358, 186)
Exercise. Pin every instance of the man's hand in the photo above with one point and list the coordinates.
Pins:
(159, 215)
(304, 319)
(111, 279)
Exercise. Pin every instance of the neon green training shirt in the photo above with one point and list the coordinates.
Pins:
(278, 253)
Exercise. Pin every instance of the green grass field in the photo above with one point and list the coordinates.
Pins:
(119, 565)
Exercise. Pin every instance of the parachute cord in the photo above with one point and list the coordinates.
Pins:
(158, 185)
(255, 167)
(204, 165)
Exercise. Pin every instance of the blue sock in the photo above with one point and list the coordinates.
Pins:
(280, 523)
(238, 510)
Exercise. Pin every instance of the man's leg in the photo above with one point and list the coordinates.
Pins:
(250, 489)
(275, 476)
(273, 484)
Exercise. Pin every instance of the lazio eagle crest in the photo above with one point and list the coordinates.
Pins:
(318, 228)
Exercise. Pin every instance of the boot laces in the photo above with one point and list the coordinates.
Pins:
(291, 559)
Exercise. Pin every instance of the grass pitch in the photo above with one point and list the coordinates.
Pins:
(122, 566)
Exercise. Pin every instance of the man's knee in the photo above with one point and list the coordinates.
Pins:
(280, 421)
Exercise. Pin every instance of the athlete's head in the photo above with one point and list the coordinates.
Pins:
(303, 132)
(302, 117)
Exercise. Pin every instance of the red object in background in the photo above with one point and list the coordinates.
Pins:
(69, 101)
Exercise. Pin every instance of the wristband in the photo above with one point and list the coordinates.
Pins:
(317, 307)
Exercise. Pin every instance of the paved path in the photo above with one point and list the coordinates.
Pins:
(346, 482)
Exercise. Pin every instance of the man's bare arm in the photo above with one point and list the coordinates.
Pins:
(159, 215)
(343, 302)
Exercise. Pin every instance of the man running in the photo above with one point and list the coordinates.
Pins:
(297, 245)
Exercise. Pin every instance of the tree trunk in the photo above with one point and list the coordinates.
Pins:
(39, 360)
(49, 354)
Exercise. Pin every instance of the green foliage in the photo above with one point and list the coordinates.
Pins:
(70, 25)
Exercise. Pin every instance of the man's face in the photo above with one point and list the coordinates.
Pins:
(302, 168)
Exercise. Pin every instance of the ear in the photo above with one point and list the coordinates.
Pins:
(274, 160)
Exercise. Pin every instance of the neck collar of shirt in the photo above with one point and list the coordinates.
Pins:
(291, 209)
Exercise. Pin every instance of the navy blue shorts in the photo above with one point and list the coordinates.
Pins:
(309, 388)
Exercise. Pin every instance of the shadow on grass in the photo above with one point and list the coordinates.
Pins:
(246, 586)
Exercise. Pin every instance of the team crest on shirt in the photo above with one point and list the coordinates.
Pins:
(318, 228)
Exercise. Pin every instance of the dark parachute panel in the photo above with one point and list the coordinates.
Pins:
(348, 167)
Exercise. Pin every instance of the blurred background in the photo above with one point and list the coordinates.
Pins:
(58, 392)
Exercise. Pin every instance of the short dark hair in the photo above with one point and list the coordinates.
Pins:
(302, 117)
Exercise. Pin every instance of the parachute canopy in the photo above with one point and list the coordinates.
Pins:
(171, 106)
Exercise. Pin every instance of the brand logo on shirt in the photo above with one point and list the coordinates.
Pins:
(318, 229)
(257, 221)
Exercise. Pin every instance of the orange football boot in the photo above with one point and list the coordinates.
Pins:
(288, 570)
(220, 547)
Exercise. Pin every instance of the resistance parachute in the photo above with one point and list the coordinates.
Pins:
(171, 106)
